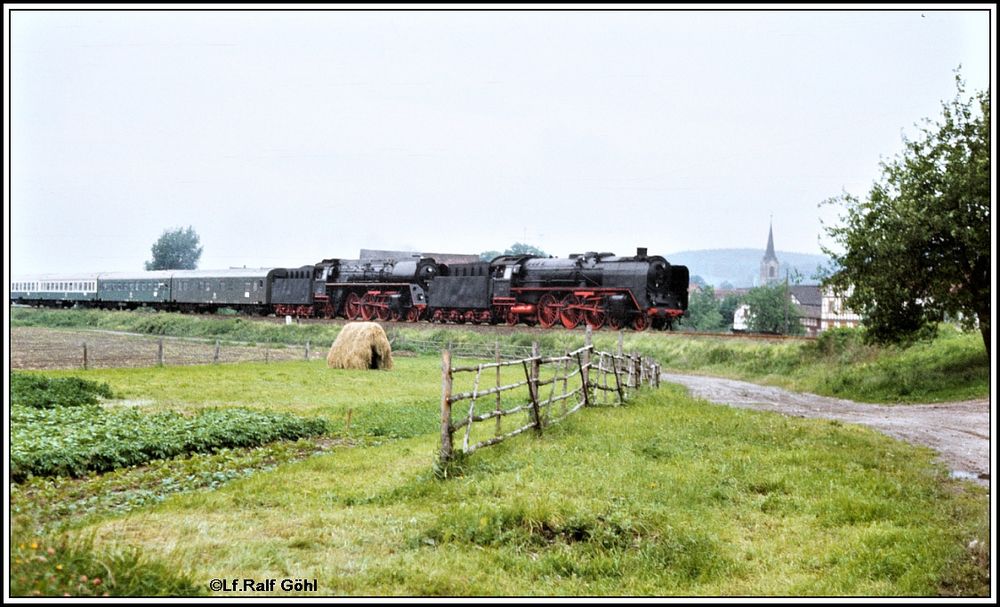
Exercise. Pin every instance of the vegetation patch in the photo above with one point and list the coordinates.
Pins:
(40, 392)
(44, 505)
(221, 326)
(941, 365)
(74, 568)
(666, 496)
(74, 440)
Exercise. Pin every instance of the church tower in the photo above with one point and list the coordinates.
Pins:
(769, 265)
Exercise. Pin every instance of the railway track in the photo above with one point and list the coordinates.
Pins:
(504, 329)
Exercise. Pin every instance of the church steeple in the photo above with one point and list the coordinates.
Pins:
(769, 264)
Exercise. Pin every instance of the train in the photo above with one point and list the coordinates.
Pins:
(592, 288)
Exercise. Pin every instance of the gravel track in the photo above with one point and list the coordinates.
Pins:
(958, 431)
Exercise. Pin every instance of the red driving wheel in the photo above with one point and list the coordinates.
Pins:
(548, 310)
(352, 307)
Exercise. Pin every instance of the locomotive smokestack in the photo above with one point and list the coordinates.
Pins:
(640, 252)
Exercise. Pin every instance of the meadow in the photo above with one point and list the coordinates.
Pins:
(950, 366)
(665, 496)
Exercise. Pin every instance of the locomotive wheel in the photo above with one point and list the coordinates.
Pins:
(548, 310)
(570, 315)
(615, 322)
(413, 314)
(383, 313)
(511, 318)
(595, 318)
(352, 307)
(640, 322)
(367, 311)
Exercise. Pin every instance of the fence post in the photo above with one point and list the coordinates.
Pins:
(84, 356)
(621, 340)
(637, 358)
(159, 352)
(618, 380)
(497, 358)
(445, 454)
(584, 385)
(533, 386)
(307, 349)
(267, 351)
(588, 342)
(215, 357)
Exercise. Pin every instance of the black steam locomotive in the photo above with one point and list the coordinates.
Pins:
(592, 288)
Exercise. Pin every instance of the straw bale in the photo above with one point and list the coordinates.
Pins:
(360, 345)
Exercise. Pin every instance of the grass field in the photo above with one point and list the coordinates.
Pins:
(666, 496)
(952, 366)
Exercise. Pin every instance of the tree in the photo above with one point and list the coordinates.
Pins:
(176, 249)
(703, 310)
(727, 308)
(918, 247)
(771, 311)
(518, 248)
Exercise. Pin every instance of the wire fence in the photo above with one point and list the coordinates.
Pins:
(46, 348)
(32, 348)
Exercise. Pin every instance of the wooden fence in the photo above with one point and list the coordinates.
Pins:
(538, 391)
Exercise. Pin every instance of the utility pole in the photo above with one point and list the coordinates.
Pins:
(787, 303)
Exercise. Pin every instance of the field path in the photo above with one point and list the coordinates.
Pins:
(959, 432)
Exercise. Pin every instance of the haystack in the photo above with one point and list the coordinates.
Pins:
(360, 345)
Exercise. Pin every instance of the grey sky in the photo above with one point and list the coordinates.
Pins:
(287, 137)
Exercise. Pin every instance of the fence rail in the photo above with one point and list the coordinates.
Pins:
(534, 400)
(30, 349)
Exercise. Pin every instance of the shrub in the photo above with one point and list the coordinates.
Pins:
(46, 392)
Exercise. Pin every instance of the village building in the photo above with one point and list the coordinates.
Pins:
(818, 309)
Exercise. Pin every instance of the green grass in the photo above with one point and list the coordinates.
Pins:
(75, 569)
(951, 366)
(391, 404)
(667, 496)
(151, 322)
(71, 441)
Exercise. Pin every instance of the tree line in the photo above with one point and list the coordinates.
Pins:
(770, 310)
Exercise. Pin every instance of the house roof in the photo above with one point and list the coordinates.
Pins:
(807, 295)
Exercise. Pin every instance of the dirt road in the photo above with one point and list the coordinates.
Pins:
(959, 432)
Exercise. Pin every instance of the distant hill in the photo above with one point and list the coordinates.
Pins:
(741, 267)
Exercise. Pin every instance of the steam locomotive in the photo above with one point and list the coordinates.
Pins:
(593, 288)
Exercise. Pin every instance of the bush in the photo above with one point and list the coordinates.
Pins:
(43, 392)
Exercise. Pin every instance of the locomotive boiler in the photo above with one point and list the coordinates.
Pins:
(367, 289)
(594, 288)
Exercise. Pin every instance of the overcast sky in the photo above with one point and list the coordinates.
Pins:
(288, 137)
